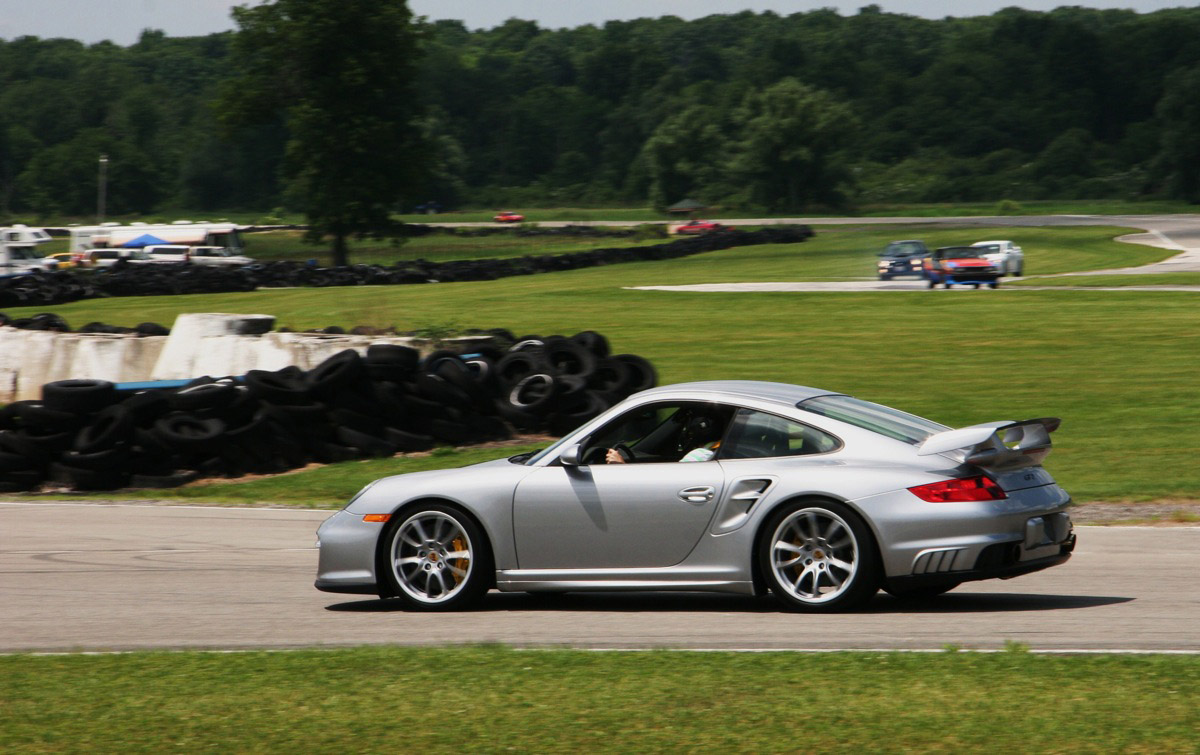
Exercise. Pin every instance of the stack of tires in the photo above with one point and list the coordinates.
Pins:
(87, 435)
(52, 322)
(555, 384)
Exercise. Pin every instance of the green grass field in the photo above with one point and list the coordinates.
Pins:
(489, 699)
(1119, 369)
(1112, 281)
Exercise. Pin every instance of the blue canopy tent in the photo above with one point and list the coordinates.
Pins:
(146, 239)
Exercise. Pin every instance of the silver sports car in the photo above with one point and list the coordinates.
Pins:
(730, 486)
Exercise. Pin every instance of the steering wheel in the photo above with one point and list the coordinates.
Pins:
(625, 451)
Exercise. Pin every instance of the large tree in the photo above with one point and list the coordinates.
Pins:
(1179, 155)
(791, 136)
(341, 72)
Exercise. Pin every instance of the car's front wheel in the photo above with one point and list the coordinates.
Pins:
(818, 557)
(436, 558)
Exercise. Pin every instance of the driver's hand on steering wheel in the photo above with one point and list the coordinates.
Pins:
(614, 457)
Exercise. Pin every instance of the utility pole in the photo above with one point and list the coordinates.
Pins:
(101, 188)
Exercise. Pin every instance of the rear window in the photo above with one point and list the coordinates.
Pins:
(877, 418)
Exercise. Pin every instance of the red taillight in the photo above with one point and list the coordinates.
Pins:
(980, 488)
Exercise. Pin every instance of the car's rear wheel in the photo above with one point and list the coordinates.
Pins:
(818, 557)
(436, 558)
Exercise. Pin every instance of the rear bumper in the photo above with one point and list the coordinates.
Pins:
(998, 561)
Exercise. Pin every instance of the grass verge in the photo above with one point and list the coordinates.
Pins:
(1111, 281)
(486, 699)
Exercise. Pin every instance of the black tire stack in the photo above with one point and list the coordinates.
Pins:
(52, 322)
(86, 435)
(555, 384)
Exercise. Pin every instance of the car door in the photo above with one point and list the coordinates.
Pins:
(614, 515)
(647, 513)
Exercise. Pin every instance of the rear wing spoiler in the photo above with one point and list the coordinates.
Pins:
(996, 444)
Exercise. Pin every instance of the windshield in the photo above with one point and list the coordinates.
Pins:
(898, 248)
(877, 418)
(959, 253)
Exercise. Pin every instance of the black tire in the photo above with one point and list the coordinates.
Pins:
(211, 396)
(431, 583)
(515, 366)
(395, 355)
(1020, 270)
(79, 396)
(369, 445)
(924, 592)
(993, 284)
(15, 463)
(593, 342)
(569, 358)
(337, 373)
(931, 284)
(284, 388)
(535, 393)
(406, 442)
(189, 434)
(363, 423)
(111, 459)
(41, 419)
(642, 375)
(111, 427)
(816, 553)
(147, 406)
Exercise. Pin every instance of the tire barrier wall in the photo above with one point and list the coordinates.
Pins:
(87, 435)
(199, 344)
(47, 288)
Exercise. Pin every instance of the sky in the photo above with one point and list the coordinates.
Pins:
(121, 21)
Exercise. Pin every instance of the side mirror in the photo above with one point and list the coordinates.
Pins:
(570, 456)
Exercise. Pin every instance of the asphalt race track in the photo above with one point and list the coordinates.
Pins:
(84, 576)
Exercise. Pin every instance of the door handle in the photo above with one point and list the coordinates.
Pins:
(699, 494)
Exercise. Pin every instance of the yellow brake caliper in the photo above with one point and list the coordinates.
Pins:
(461, 564)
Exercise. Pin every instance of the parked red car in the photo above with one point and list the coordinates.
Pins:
(509, 217)
(702, 226)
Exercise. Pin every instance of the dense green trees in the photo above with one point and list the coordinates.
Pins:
(754, 110)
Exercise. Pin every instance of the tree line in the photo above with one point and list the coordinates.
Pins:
(752, 110)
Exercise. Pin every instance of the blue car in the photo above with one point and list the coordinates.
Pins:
(902, 258)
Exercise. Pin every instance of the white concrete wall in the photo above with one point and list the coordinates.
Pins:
(199, 344)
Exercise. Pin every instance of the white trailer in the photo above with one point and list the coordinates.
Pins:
(184, 232)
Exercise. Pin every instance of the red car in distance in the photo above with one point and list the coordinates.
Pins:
(701, 226)
(509, 217)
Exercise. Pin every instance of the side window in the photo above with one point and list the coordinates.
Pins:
(664, 432)
(756, 435)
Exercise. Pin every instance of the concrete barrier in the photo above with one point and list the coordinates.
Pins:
(200, 344)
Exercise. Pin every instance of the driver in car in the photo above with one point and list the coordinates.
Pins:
(702, 433)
